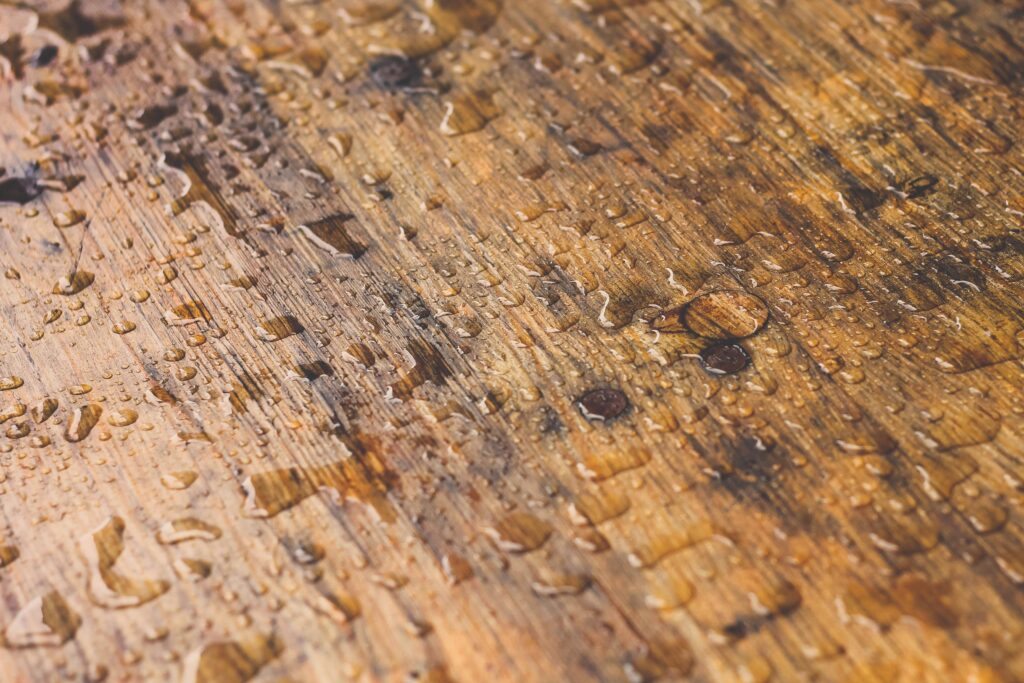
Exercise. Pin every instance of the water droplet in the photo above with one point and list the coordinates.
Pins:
(10, 382)
(235, 661)
(101, 548)
(725, 314)
(281, 327)
(178, 481)
(519, 532)
(82, 421)
(187, 529)
(46, 621)
(331, 235)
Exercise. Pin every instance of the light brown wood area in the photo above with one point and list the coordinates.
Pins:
(511, 340)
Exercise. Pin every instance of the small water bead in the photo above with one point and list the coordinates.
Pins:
(185, 374)
(18, 430)
(554, 584)
(187, 529)
(122, 417)
(8, 554)
(13, 411)
(74, 283)
(178, 481)
(456, 568)
(191, 569)
(42, 411)
(519, 532)
(10, 382)
(67, 219)
(341, 143)
(166, 275)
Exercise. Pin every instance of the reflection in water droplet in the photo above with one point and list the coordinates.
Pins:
(100, 548)
(10, 382)
(179, 481)
(191, 569)
(187, 529)
(725, 314)
(122, 417)
(281, 327)
(73, 283)
(8, 554)
(519, 532)
(331, 235)
(187, 313)
(456, 568)
(81, 422)
(235, 661)
(364, 479)
(46, 621)
(66, 219)
(123, 327)
(468, 113)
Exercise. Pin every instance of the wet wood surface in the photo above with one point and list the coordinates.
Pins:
(480, 340)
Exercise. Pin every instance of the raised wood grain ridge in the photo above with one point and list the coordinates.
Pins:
(534, 340)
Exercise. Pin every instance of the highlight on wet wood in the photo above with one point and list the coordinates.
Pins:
(535, 341)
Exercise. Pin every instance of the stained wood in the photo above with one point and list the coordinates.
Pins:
(549, 340)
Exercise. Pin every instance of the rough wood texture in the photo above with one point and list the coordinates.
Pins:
(535, 340)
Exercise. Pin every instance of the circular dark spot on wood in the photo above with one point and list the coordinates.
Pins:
(725, 314)
(19, 190)
(396, 73)
(724, 359)
(43, 56)
(920, 186)
(603, 404)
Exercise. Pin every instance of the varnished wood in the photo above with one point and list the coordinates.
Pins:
(480, 340)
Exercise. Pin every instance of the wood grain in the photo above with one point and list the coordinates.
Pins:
(479, 340)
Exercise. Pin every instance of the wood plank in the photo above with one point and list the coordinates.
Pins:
(550, 340)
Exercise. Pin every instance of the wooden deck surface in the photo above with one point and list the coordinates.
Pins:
(511, 341)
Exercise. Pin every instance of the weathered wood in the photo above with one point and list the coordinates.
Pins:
(549, 340)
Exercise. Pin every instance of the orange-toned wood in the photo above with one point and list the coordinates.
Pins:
(481, 340)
